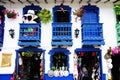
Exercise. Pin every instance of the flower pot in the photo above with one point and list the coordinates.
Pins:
(10, 15)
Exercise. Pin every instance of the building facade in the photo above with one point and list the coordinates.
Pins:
(59, 40)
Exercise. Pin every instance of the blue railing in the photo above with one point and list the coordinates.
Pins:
(62, 33)
(30, 34)
(92, 34)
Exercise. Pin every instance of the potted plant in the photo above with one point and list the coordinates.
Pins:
(45, 15)
(11, 13)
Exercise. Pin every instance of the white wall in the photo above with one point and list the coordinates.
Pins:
(10, 45)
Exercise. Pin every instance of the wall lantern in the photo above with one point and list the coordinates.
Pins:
(76, 32)
(12, 33)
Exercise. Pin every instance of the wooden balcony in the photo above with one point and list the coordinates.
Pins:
(62, 34)
(30, 34)
(92, 34)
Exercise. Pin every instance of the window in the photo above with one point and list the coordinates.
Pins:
(62, 13)
(92, 30)
(118, 18)
(59, 59)
(62, 16)
(62, 26)
(30, 29)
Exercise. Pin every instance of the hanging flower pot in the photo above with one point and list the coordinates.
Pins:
(11, 14)
(45, 16)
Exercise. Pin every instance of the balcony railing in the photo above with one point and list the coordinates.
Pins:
(62, 34)
(30, 34)
(92, 34)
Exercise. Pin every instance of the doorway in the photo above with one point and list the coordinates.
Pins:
(89, 66)
(89, 63)
(30, 64)
(116, 67)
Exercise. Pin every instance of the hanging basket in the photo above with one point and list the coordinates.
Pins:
(11, 13)
(45, 16)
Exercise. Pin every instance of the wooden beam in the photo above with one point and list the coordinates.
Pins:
(3, 2)
(11, 1)
(116, 1)
(29, 1)
(20, 1)
(63, 1)
(37, 1)
(55, 1)
(97, 1)
(106, 1)
(80, 1)
(72, 1)
(88, 1)
(46, 1)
